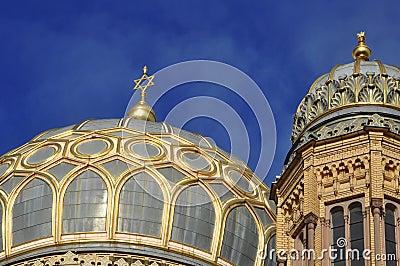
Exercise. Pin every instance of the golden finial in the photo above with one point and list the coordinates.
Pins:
(362, 51)
(142, 110)
(360, 37)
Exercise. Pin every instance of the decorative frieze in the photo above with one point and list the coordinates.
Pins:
(99, 259)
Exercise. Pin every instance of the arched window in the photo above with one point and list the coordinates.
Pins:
(356, 233)
(240, 244)
(141, 206)
(85, 204)
(347, 234)
(194, 218)
(338, 234)
(32, 212)
(390, 233)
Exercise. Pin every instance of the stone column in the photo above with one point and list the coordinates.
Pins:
(376, 207)
(310, 221)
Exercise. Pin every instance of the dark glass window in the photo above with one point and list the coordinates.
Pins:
(338, 232)
(356, 234)
(390, 233)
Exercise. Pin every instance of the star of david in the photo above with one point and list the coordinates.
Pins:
(144, 82)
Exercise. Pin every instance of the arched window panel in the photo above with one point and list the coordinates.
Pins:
(171, 174)
(141, 206)
(390, 232)
(270, 259)
(61, 170)
(85, 204)
(194, 218)
(266, 220)
(240, 243)
(338, 232)
(222, 191)
(32, 212)
(357, 231)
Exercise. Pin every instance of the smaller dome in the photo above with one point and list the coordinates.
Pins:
(366, 84)
(347, 99)
(142, 111)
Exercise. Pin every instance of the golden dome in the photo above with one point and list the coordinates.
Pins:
(366, 88)
(137, 192)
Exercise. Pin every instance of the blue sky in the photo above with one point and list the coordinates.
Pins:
(62, 62)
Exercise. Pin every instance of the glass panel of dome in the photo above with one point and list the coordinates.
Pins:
(215, 155)
(121, 133)
(223, 192)
(241, 181)
(171, 174)
(154, 127)
(145, 150)
(172, 141)
(191, 137)
(61, 170)
(270, 259)
(196, 161)
(141, 206)
(3, 168)
(56, 132)
(266, 220)
(85, 204)
(240, 248)
(142, 126)
(92, 147)
(41, 155)
(272, 204)
(194, 218)
(116, 167)
(32, 213)
(73, 136)
(11, 183)
(24, 149)
(100, 124)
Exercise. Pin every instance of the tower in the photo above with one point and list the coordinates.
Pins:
(339, 193)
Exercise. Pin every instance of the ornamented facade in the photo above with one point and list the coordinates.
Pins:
(339, 190)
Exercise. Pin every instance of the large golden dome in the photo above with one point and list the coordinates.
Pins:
(129, 192)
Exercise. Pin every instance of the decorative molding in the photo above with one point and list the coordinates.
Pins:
(311, 218)
(343, 127)
(101, 259)
(376, 203)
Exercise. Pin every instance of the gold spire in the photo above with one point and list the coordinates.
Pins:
(362, 51)
(142, 110)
